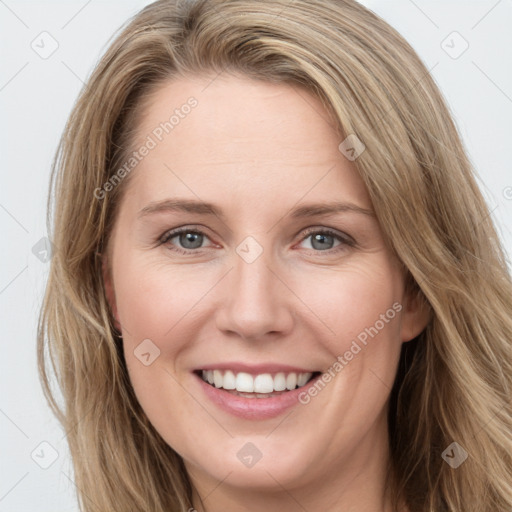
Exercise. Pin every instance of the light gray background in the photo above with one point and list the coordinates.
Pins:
(36, 96)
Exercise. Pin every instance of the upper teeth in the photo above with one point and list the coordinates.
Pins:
(263, 383)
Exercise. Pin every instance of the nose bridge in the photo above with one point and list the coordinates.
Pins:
(255, 303)
(252, 282)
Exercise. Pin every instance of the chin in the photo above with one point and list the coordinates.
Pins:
(257, 464)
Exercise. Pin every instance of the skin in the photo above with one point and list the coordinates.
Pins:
(257, 151)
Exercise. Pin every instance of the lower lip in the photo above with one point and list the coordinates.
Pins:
(253, 408)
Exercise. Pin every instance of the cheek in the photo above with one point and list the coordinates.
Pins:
(160, 309)
(156, 310)
(154, 298)
(170, 407)
(359, 301)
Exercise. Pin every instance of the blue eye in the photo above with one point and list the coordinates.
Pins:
(190, 240)
(187, 239)
(325, 239)
(322, 241)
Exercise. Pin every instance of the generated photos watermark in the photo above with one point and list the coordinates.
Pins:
(152, 140)
(355, 348)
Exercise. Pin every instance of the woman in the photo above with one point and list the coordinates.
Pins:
(276, 284)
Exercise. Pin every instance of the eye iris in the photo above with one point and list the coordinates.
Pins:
(322, 241)
(191, 240)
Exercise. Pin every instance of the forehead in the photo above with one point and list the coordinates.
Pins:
(209, 131)
(239, 109)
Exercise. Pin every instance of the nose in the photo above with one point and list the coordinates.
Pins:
(256, 304)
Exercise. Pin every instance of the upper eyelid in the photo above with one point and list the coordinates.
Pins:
(323, 229)
(171, 233)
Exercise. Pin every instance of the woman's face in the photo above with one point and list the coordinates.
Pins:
(246, 248)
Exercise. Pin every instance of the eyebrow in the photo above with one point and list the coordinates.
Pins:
(200, 207)
(311, 210)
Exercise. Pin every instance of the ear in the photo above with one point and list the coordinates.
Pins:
(109, 290)
(415, 316)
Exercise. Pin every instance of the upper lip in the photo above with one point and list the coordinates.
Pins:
(255, 369)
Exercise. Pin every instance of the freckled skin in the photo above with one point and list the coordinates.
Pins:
(257, 151)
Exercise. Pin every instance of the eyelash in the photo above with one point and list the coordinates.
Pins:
(345, 240)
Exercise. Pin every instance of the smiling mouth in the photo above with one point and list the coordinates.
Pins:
(264, 385)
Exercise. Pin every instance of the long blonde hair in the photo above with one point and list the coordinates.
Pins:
(454, 381)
